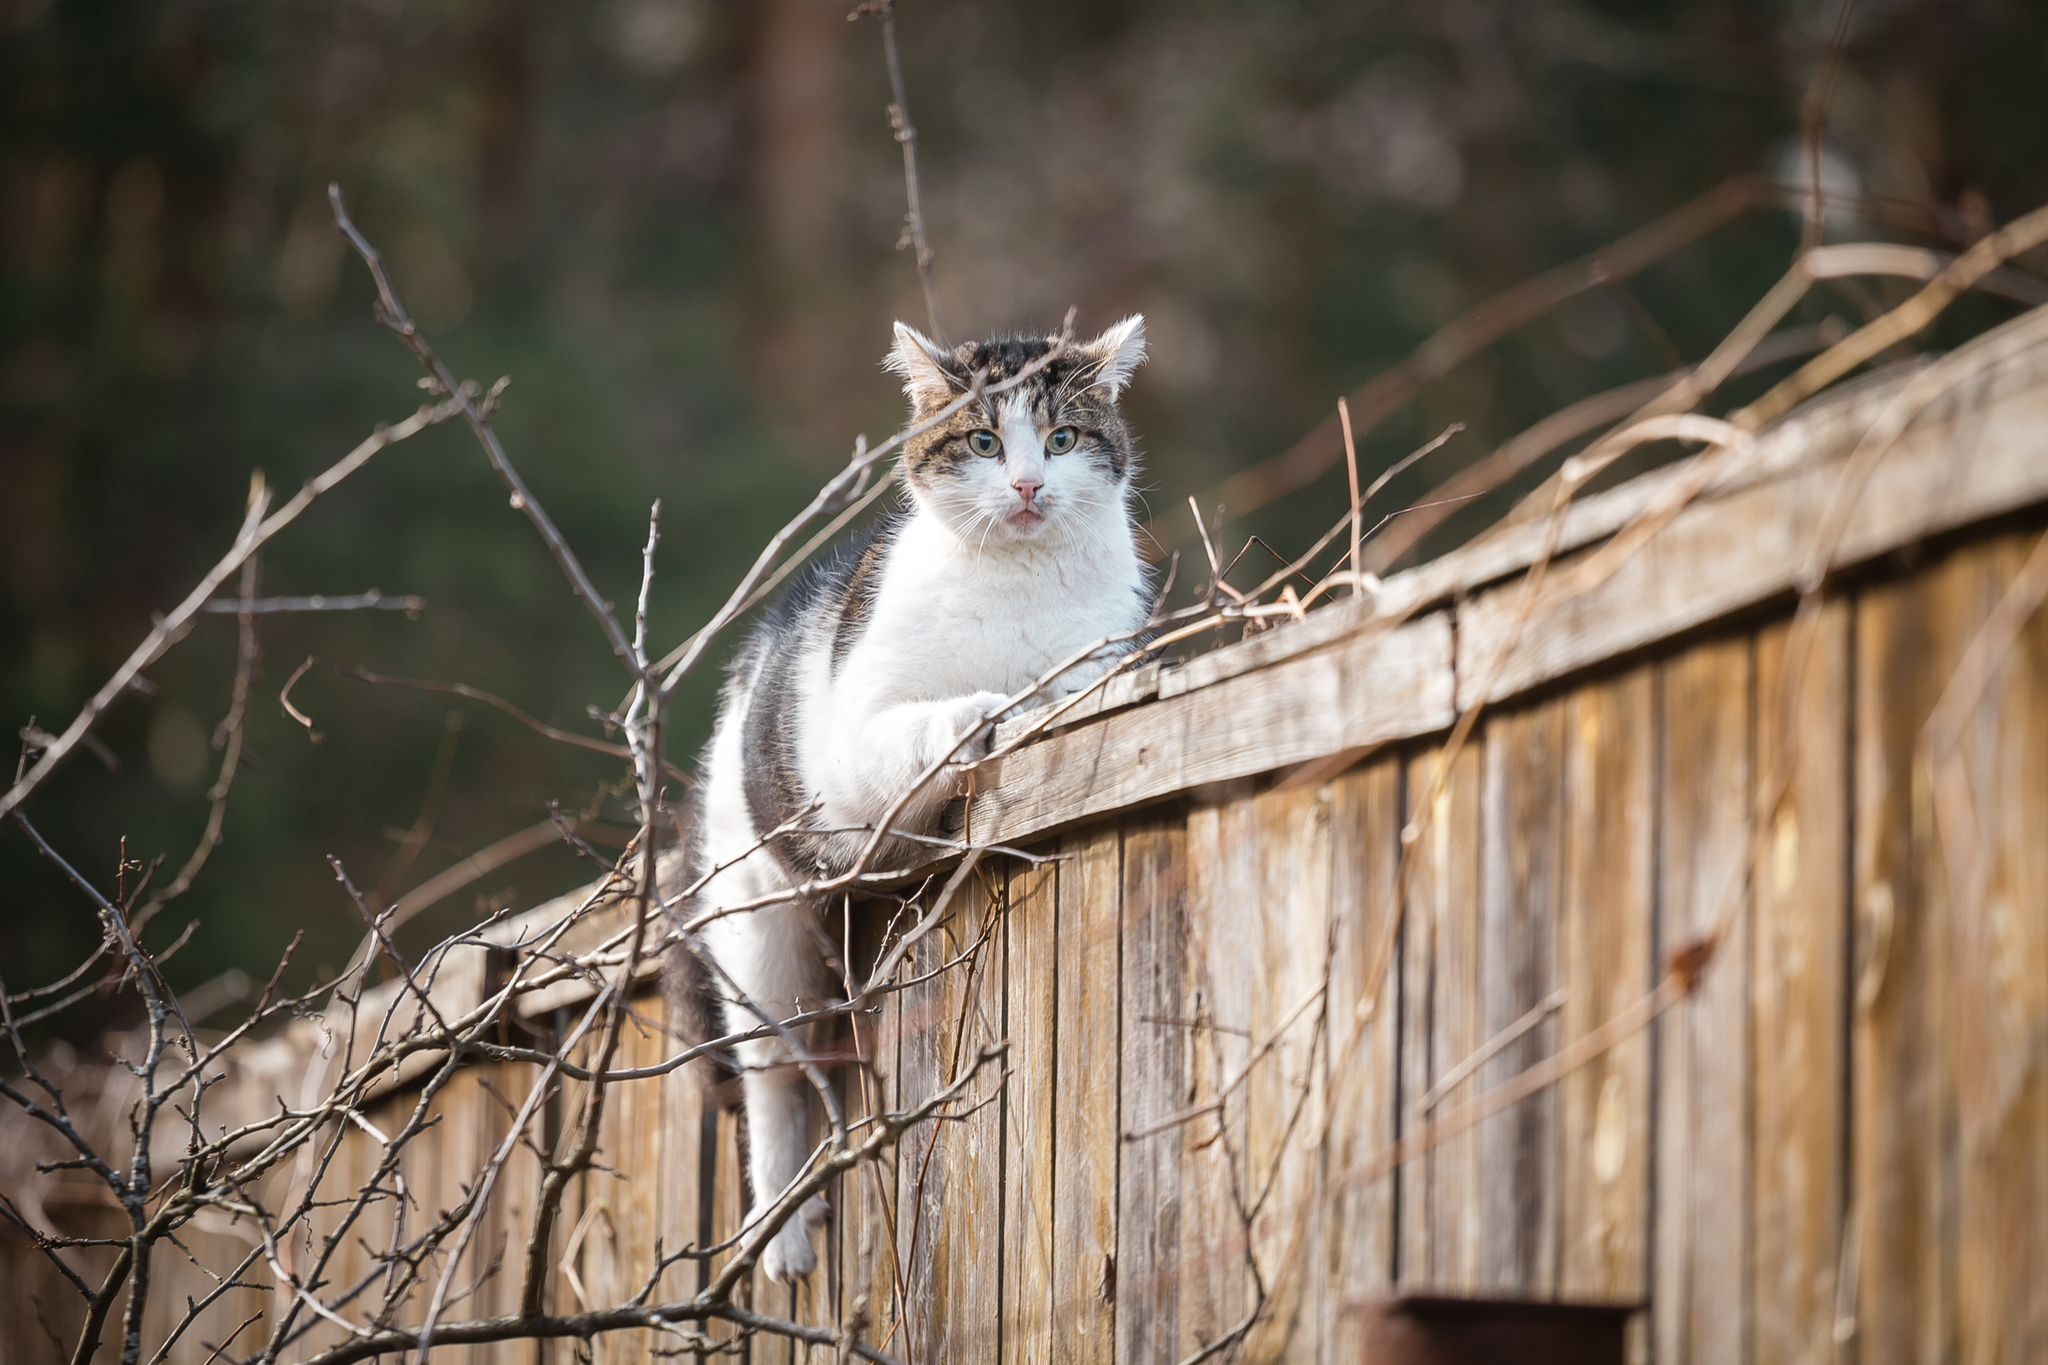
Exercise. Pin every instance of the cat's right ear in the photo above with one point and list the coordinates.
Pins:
(923, 366)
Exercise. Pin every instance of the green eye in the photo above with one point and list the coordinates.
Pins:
(1061, 440)
(983, 442)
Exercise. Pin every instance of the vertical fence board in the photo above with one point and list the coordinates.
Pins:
(682, 1099)
(1029, 1172)
(1445, 1026)
(1520, 888)
(1908, 637)
(1801, 901)
(1085, 1098)
(949, 1214)
(864, 1199)
(1365, 825)
(1703, 1043)
(969, 1232)
(1155, 1080)
(1610, 862)
(1284, 1095)
(923, 1172)
(508, 1227)
(1950, 1182)
(2000, 869)
(1223, 885)
(632, 1146)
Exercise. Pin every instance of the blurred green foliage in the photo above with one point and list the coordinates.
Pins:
(673, 223)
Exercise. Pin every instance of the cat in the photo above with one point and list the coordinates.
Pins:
(1015, 549)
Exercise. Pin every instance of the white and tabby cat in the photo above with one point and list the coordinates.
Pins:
(1016, 550)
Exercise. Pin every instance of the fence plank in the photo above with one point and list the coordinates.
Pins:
(1908, 636)
(1948, 1186)
(1610, 862)
(2000, 874)
(923, 1170)
(1155, 1080)
(1357, 1243)
(968, 1243)
(1703, 1045)
(1801, 908)
(1445, 1026)
(1085, 1098)
(1223, 882)
(1029, 1172)
(1521, 872)
(865, 1201)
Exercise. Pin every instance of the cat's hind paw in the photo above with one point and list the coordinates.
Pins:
(789, 1255)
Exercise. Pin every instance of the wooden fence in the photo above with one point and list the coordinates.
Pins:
(1835, 1146)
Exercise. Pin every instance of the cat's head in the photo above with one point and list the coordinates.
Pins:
(1033, 461)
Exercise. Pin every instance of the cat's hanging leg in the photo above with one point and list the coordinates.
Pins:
(771, 957)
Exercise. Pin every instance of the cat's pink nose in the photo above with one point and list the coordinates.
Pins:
(1027, 487)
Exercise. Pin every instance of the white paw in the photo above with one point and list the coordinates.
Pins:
(966, 715)
(789, 1256)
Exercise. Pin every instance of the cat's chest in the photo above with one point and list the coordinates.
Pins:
(941, 627)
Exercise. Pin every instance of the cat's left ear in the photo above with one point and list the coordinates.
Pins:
(1116, 353)
(922, 364)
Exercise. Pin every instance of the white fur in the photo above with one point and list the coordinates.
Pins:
(972, 606)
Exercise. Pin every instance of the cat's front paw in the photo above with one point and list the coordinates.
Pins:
(969, 713)
(789, 1256)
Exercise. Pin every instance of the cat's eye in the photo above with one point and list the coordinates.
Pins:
(983, 442)
(1060, 440)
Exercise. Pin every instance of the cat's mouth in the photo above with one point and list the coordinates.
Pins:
(1024, 518)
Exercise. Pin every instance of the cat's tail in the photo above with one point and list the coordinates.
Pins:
(687, 983)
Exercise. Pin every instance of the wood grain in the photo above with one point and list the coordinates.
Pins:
(1223, 883)
(1155, 1080)
(1366, 688)
(1521, 884)
(865, 1202)
(1948, 1181)
(1285, 1096)
(1976, 453)
(1801, 902)
(1703, 1045)
(1441, 1189)
(1030, 1171)
(1085, 1099)
(1609, 895)
(1358, 1230)
(2001, 960)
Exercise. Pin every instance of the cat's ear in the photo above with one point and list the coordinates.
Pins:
(922, 364)
(1116, 353)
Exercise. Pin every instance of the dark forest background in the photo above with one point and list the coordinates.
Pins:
(674, 224)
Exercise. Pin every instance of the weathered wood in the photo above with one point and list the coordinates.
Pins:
(2001, 961)
(1703, 1045)
(1223, 882)
(1030, 1171)
(922, 1160)
(1442, 1188)
(1906, 1048)
(1974, 454)
(1358, 1228)
(1604, 1108)
(1285, 1095)
(1521, 876)
(865, 1201)
(1155, 1080)
(1085, 1092)
(1801, 905)
(1362, 689)
(949, 1218)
